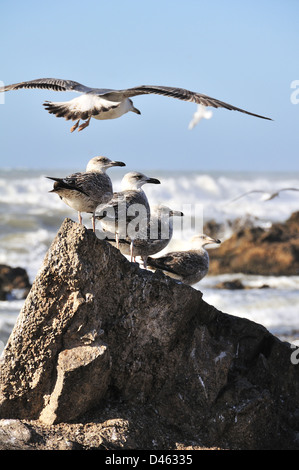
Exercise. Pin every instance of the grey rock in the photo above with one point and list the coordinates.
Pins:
(81, 371)
(107, 355)
(14, 434)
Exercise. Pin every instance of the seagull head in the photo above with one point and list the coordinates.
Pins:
(101, 164)
(161, 210)
(132, 107)
(135, 180)
(201, 240)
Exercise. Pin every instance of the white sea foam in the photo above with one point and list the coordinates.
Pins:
(9, 311)
(272, 301)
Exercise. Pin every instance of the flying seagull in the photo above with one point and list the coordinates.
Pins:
(200, 113)
(268, 197)
(188, 266)
(86, 190)
(101, 103)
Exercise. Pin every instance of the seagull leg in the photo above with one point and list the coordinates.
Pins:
(75, 126)
(131, 250)
(85, 124)
(117, 240)
(80, 218)
(93, 222)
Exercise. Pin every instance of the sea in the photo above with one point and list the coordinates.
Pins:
(31, 217)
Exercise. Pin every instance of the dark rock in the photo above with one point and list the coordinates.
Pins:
(236, 284)
(231, 285)
(149, 364)
(220, 229)
(12, 279)
(255, 250)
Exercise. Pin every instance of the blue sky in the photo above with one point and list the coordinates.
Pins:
(244, 53)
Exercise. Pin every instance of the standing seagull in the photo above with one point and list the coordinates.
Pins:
(85, 191)
(189, 266)
(120, 211)
(102, 103)
(154, 237)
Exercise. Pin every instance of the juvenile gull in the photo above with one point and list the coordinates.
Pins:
(86, 190)
(268, 196)
(154, 237)
(116, 215)
(189, 266)
(102, 103)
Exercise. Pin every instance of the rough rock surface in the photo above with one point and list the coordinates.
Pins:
(254, 250)
(105, 355)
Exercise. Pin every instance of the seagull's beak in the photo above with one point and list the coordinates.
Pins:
(153, 180)
(213, 240)
(118, 164)
(135, 110)
(176, 213)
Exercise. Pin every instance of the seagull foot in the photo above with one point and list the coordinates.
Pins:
(85, 124)
(75, 126)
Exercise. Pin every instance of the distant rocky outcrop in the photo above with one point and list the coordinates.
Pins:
(105, 355)
(254, 250)
(14, 282)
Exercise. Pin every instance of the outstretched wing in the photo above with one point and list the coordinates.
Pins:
(179, 93)
(247, 193)
(55, 84)
(288, 189)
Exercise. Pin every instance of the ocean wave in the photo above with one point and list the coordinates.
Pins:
(214, 191)
(9, 311)
(272, 301)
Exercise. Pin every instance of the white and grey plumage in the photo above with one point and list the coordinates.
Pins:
(189, 266)
(84, 191)
(116, 215)
(154, 237)
(268, 196)
(101, 103)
